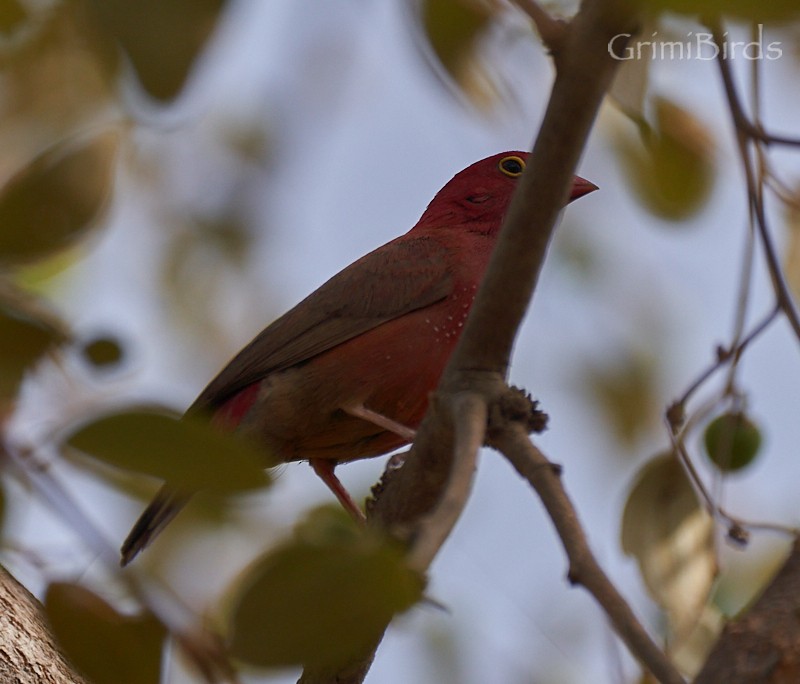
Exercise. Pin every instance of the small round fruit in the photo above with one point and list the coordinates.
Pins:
(732, 441)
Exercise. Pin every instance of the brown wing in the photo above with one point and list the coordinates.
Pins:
(401, 276)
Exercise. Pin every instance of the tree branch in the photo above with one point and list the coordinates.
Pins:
(763, 645)
(551, 30)
(512, 440)
(407, 495)
(28, 652)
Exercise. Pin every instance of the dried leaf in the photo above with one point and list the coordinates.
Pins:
(672, 537)
(630, 84)
(791, 253)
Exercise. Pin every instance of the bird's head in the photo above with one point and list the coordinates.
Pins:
(481, 193)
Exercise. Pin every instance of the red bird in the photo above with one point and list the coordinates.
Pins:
(346, 373)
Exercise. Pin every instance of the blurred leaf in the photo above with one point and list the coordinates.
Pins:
(57, 75)
(453, 29)
(200, 260)
(753, 10)
(791, 253)
(27, 332)
(732, 441)
(106, 646)
(625, 391)
(691, 653)
(629, 87)
(321, 597)
(673, 172)
(102, 352)
(12, 14)
(672, 537)
(52, 203)
(160, 37)
(187, 453)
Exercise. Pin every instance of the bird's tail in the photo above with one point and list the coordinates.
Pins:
(162, 509)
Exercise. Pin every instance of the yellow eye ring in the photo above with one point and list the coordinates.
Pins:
(511, 166)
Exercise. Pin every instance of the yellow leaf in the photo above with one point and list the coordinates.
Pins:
(672, 537)
(791, 253)
(453, 29)
(625, 391)
(672, 168)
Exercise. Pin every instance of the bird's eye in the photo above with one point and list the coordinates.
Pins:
(512, 166)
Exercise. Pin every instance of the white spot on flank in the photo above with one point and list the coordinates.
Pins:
(460, 324)
(449, 318)
(435, 329)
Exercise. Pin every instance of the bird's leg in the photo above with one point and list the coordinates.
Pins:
(361, 411)
(324, 468)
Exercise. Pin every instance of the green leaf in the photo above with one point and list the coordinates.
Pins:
(26, 334)
(54, 201)
(672, 537)
(160, 37)
(187, 453)
(673, 172)
(453, 29)
(625, 390)
(106, 646)
(322, 597)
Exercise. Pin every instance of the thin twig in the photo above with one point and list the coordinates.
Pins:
(724, 357)
(531, 464)
(780, 286)
(551, 30)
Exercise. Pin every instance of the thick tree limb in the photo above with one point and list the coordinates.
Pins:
(28, 652)
(763, 645)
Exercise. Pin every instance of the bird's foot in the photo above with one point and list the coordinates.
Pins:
(361, 411)
(324, 468)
